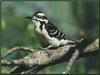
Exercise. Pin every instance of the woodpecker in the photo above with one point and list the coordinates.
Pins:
(47, 33)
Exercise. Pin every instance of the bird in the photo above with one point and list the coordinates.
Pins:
(47, 33)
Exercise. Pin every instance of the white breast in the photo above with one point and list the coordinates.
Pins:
(37, 26)
(40, 36)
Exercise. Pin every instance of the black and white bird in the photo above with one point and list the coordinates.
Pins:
(47, 33)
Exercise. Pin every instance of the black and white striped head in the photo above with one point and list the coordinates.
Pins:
(39, 17)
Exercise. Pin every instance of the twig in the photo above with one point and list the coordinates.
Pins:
(71, 61)
(10, 63)
(91, 49)
(20, 48)
(93, 46)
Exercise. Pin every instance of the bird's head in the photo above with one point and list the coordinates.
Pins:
(38, 17)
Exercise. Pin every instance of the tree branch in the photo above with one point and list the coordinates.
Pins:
(39, 59)
(71, 61)
(20, 48)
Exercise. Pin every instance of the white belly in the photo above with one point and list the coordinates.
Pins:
(43, 41)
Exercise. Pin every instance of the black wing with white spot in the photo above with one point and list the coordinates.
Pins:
(54, 32)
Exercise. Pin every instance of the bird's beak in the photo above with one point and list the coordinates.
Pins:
(29, 17)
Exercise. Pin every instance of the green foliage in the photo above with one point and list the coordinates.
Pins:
(68, 16)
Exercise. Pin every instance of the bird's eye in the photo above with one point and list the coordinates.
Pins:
(42, 17)
(34, 19)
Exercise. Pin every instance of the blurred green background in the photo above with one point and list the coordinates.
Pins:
(74, 18)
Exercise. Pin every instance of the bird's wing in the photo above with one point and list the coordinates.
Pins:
(54, 32)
